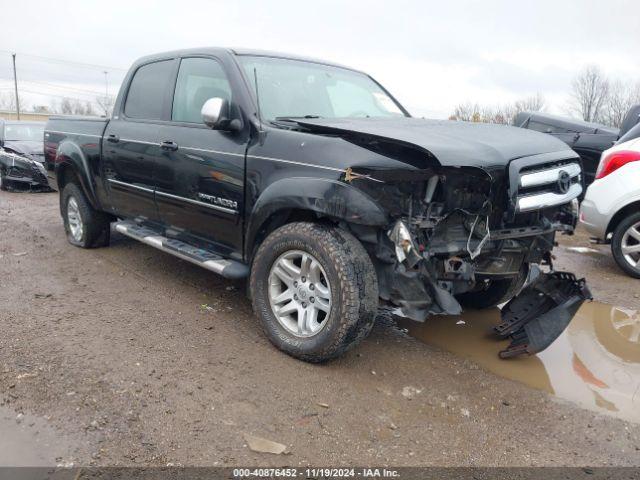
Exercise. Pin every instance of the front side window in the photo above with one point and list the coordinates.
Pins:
(292, 88)
(199, 79)
(148, 89)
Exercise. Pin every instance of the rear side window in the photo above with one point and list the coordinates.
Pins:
(148, 89)
(199, 79)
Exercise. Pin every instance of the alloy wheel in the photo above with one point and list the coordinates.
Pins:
(75, 219)
(299, 293)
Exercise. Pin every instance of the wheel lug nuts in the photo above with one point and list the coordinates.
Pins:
(312, 299)
(295, 297)
(304, 305)
(311, 286)
(295, 284)
(304, 279)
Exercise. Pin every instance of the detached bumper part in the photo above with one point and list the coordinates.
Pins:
(541, 312)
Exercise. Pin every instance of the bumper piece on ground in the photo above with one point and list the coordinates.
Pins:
(541, 312)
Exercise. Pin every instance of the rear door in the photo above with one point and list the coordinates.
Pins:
(131, 142)
(200, 173)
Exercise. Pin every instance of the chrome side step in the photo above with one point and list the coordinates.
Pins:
(198, 256)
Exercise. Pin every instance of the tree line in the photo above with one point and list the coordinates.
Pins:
(65, 106)
(594, 97)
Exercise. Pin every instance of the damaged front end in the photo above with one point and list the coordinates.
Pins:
(22, 173)
(467, 236)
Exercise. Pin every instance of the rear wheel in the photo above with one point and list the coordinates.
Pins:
(3, 182)
(85, 226)
(625, 245)
(493, 292)
(314, 290)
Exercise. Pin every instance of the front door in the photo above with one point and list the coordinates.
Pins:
(199, 175)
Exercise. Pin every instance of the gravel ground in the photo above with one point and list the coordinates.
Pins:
(128, 356)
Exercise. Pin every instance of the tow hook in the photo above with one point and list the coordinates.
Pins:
(541, 312)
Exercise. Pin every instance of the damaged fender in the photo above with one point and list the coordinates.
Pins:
(325, 197)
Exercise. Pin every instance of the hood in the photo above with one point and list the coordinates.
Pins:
(452, 143)
(32, 149)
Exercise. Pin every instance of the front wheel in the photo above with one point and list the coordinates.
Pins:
(625, 245)
(314, 290)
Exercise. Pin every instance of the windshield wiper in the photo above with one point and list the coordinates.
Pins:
(294, 117)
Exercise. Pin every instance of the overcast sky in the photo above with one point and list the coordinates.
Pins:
(431, 55)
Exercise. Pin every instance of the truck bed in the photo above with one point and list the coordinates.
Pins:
(84, 131)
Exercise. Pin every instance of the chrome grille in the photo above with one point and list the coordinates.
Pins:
(548, 185)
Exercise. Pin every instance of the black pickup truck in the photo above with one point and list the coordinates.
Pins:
(313, 182)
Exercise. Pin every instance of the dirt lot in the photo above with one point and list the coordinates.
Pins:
(128, 356)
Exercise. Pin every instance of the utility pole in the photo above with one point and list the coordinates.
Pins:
(15, 84)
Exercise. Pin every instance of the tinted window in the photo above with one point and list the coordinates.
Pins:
(147, 91)
(199, 79)
(539, 127)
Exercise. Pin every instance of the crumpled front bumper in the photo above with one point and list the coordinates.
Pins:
(21, 171)
(539, 314)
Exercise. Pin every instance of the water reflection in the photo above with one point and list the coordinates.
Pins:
(27, 441)
(594, 363)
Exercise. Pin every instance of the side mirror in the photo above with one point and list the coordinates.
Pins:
(215, 113)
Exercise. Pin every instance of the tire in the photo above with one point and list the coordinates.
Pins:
(94, 226)
(3, 182)
(494, 292)
(623, 236)
(350, 280)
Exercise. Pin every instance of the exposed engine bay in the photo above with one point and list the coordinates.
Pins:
(455, 233)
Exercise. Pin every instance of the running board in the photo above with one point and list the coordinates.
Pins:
(198, 256)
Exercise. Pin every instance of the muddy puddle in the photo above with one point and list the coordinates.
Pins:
(594, 363)
(27, 441)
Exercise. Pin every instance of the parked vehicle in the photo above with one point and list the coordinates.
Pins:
(313, 182)
(22, 156)
(611, 208)
(587, 139)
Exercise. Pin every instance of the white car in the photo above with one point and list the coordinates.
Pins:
(610, 210)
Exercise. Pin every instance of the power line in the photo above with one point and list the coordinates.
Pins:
(63, 87)
(35, 92)
(66, 62)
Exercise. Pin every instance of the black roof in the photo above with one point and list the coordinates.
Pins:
(572, 124)
(239, 52)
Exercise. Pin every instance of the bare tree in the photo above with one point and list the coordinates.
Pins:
(106, 103)
(8, 102)
(501, 114)
(533, 103)
(622, 96)
(589, 94)
(74, 106)
(465, 112)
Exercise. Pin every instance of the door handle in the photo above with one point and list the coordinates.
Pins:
(113, 138)
(169, 146)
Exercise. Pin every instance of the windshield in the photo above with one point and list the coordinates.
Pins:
(293, 88)
(24, 132)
